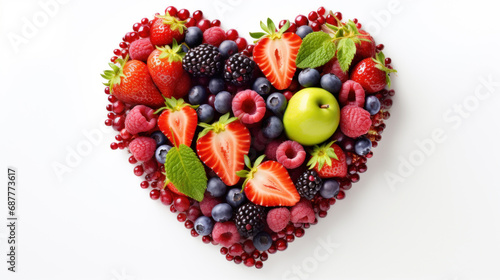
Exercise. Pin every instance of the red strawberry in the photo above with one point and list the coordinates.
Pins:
(268, 184)
(165, 67)
(372, 74)
(328, 161)
(275, 53)
(365, 48)
(165, 29)
(131, 83)
(183, 85)
(222, 147)
(178, 122)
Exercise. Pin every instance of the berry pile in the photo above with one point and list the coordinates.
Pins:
(248, 144)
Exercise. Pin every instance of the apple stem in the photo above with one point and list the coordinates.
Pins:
(325, 106)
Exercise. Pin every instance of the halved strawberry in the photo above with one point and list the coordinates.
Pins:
(178, 121)
(275, 53)
(268, 184)
(222, 147)
(328, 161)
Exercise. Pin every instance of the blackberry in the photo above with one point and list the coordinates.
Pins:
(308, 184)
(239, 69)
(250, 219)
(203, 61)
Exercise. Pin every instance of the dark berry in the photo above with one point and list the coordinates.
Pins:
(303, 31)
(262, 241)
(216, 85)
(272, 127)
(203, 225)
(239, 69)
(262, 86)
(203, 61)
(331, 83)
(205, 113)
(250, 219)
(227, 48)
(216, 187)
(372, 105)
(329, 189)
(222, 102)
(159, 137)
(235, 197)
(362, 146)
(197, 95)
(161, 153)
(309, 77)
(194, 36)
(308, 184)
(276, 103)
(222, 212)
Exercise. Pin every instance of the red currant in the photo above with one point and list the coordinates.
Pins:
(197, 15)
(113, 146)
(232, 34)
(312, 16)
(138, 170)
(183, 14)
(154, 194)
(190, 22)
(143, 31)
(215, 22)
(241, 43)
(301, 20)
(203, 24)
(171, 10)
(321, 11)
(181, 203)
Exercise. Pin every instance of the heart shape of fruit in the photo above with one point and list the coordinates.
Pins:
(249, 144)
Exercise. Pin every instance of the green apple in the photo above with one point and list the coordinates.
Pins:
(312, 116)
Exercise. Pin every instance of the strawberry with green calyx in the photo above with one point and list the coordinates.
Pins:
(372, 74)
(165, 29)
(131, 83)
(320, 47)
(178, 121)
(222, 147)
(165, 67)
(268, 183)
(275, 53)
(328, 161)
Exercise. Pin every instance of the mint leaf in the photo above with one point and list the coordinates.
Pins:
(186, 172)
(316, 50)
(345, 53)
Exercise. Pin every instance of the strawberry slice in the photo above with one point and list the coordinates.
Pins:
(275, 53)
(222, 147)
(178, 122)
(328, 161)
(268, 184)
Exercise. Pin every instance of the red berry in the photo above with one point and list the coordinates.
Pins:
(321, 11)
(301, 20)
(154, 194)
(204, 24)
(224, 250)
(143, 31)
(258, 264)
(113, 146)
(232, 34)
(281, 244)
(330, 19)
(190, 22)
(299, 232)
(138, 170)
(338, 15)
(315, 26)
(312, 16)
(181, 217)
(321, 20)
(263, 256)
(236, 249)
(291, 154)
(288, 95)
(166, 197)
(250, 262)
(215, 22)
(132, 160)
(249, 106)
(145, 21)
(241, 43)
(197, 15)
(181, 203)
(171, 10)
(183, 14)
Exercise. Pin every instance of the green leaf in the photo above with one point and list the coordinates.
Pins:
(345, 53)
(270, 25)
(186, 172)
(316, 50)
(257, 35)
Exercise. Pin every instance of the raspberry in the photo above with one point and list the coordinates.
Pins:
(291, 154)
(140, 119)
(348, 88)
(141, 49)
(278, 218)
(142, 148)
(225, 234)
(271, 149)
(207, 204)
(354, 121)
(249, 106)
(302, 212)
(214, 36)
(333, 67)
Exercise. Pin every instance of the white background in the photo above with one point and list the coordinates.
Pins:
(441, 221)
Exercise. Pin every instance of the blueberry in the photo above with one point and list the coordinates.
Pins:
(194, 37)
(197, 95)
(362, 146)
(216, 85)
(262, 241)
(372, 105)
(161, 153)
(309, 77)
(216, 187)
(203, 225)
(331, 83)
(222, 212)
(303, 31)
(329, 189)
(228, 48)
(159, 137)
(235, 197)
(223, 102)
(205, 113)
(262, 86)
(276, 102)
(272, 127)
